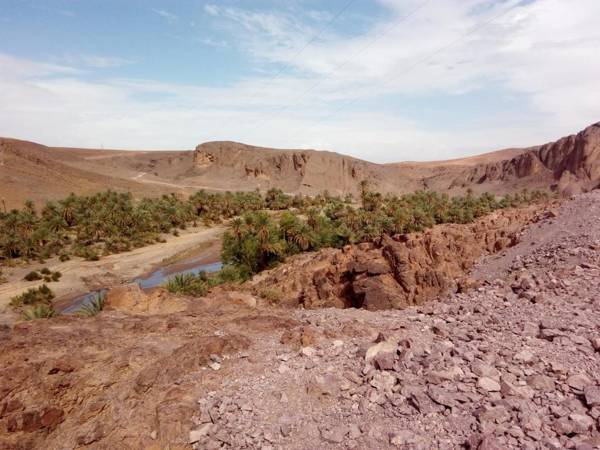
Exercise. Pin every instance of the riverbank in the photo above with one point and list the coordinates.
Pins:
(200, 244)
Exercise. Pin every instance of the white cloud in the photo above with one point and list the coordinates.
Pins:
(168, 16)
(211, 9)
(543, 53)
(210, 42)
(95, 61)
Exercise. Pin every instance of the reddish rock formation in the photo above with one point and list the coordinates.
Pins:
(396, 272)
(569, 165)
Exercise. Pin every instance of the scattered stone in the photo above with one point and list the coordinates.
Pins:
(592, 395)
(488, 384)
(579, 382)
(198, 434)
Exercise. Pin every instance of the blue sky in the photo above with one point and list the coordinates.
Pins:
(384, 80)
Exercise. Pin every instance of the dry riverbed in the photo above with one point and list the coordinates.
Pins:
(80, 276)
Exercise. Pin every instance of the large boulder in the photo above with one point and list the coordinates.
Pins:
(132, 299)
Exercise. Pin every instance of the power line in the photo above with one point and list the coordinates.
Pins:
(345, 62)
(301, 50)
(376, 38)
(427, 57)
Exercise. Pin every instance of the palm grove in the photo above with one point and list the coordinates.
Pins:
(263, 228)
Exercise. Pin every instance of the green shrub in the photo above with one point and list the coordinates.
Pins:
(32, 276)
(271, 295)
(45, 271)
(93, 308)
(33, 296)
(56, 276)
(87, 253)
(188, 284)
(40, 311)
(64, 257)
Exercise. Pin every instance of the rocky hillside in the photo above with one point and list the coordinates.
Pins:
(570, 165)
(509, 362)
(396, 272)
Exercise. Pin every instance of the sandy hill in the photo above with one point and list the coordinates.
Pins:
(28, 170)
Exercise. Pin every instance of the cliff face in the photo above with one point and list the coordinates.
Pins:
(306, 171)
(569, 165)
(396, 272)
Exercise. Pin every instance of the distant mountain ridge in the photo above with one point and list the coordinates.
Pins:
(571, 164)
(33, 171)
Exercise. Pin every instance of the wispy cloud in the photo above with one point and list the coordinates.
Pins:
(168, 16)
(210, 42)
(95, 61)
(542, 54)
(211, 9)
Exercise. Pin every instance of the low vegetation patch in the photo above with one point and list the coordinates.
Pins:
(273, 296)
(34, 296)
(40, 311)
(188, 284)
(46, 274)
(94, 307)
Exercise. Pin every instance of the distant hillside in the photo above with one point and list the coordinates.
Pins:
(571, 164)
(33, 171)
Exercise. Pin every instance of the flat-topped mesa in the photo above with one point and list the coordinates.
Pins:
(306, 171)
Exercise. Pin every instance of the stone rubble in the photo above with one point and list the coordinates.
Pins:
(513, 364)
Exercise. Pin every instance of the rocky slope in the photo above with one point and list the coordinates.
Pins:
(569, 165)
(396, 272)
(512, 363)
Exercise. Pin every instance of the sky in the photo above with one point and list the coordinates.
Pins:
(382, 80)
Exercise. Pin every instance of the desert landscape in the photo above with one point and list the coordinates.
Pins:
(433, 330)
(567, 165)
(353, 224)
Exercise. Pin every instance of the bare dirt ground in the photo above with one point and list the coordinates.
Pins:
(80, 276)
(511, 364)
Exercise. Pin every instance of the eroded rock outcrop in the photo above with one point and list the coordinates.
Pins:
(569, 165)
(397, 271)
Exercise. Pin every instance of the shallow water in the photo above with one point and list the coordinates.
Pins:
(152, 280)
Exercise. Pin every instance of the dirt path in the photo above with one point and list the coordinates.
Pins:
(79, 276)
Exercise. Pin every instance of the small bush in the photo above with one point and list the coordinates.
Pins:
(56, 276)
(45, 271)
(32, 276)
(188, 284)
(33, 296)
(271, 295)
(40, 311)
(63, 257)
(94, 307)
(87, 253)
